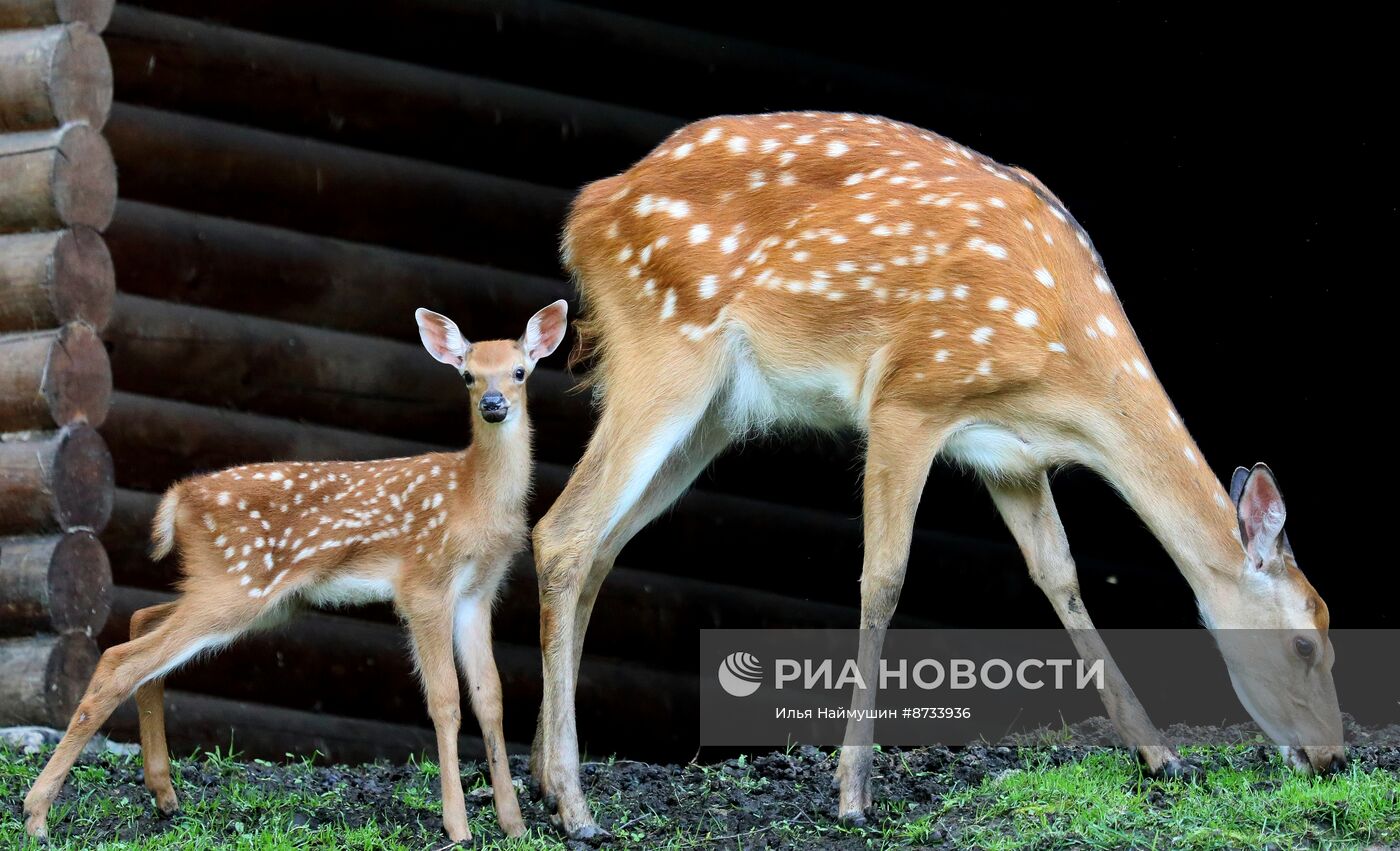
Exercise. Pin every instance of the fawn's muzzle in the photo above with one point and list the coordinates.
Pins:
(494, 407)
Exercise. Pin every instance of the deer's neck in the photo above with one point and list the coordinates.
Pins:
(1151, 458)
(498, 462)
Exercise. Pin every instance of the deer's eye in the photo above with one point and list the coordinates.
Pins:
(1303, 647)
(520, 373)
(467, 377)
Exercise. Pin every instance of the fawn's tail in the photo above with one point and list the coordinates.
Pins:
(163, 529)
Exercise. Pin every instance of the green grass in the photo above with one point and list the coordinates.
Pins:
(1101, 801)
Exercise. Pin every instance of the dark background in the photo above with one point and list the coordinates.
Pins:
(1235, 176)
(294, 178)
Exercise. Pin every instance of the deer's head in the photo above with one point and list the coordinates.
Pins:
(1271, 627)
(495, 371)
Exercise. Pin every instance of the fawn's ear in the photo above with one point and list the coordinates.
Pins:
(545, 331)
(441, 337)
(1259, 506)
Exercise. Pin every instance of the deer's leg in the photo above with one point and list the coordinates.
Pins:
(641, 427)
(150, 709)
(429, 616)
(1029, 511)
(473, 631)
(186, 631)
(676, 475)
(901, 448)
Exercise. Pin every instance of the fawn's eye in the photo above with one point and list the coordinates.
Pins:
(467, 377)
(520, 373)
(1303, 647)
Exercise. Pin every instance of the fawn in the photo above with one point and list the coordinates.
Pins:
(433, 533)
(828, 271)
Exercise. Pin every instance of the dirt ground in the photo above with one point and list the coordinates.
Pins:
(774, 800)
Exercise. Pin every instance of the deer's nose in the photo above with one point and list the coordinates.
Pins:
(493, 406)
(1337, 764)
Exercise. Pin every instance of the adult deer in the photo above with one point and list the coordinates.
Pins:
(433, 533)
(824, 271)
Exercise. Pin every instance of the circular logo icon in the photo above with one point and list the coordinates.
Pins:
(740, 674)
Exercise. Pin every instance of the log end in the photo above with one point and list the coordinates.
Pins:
(77, 381)
(45, 677)
(82, 78)
(95, 13)
(84, 181)
(71, 664)
(82, 480)
(83, 282)
(80, 584)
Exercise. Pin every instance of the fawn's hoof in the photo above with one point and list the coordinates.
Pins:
(853, 819)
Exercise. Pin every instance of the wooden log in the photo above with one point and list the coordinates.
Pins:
(49, 279)
(210, 357)
(266, 271)
(55, 583)
(368, 102)
(56, 179)
(213, 167)
(655, 65)
(349, 666)
(45, 677)
(56, 481)
(49, 379)
(52, 76)
(157, 441)
(259, 731)
(23, 14)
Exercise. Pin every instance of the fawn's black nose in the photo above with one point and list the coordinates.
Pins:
(494, 407)
(1337, 765)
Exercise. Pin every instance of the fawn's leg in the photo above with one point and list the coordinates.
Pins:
(478, 663)
(429, 620)
(1029, 511)
(640, 428)
(900, 450)
(185, 632)
(150, 709)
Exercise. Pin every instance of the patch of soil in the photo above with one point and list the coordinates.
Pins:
(775, 800)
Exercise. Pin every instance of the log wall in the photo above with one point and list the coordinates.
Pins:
(57, 194)
(295, 179)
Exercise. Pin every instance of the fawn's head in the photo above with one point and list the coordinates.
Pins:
(1271, 627)
(495, 370)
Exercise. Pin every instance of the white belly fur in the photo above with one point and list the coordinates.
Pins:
(350, 590)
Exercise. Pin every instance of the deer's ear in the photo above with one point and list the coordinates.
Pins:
(1237, 484)
(1259, 507)
(545, 331)
(442, 338)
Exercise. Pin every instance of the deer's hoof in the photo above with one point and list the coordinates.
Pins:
(590, 833)
(37, 827)
(1179, 769)
(853, 819)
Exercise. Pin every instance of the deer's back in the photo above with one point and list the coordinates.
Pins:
(832, 242)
